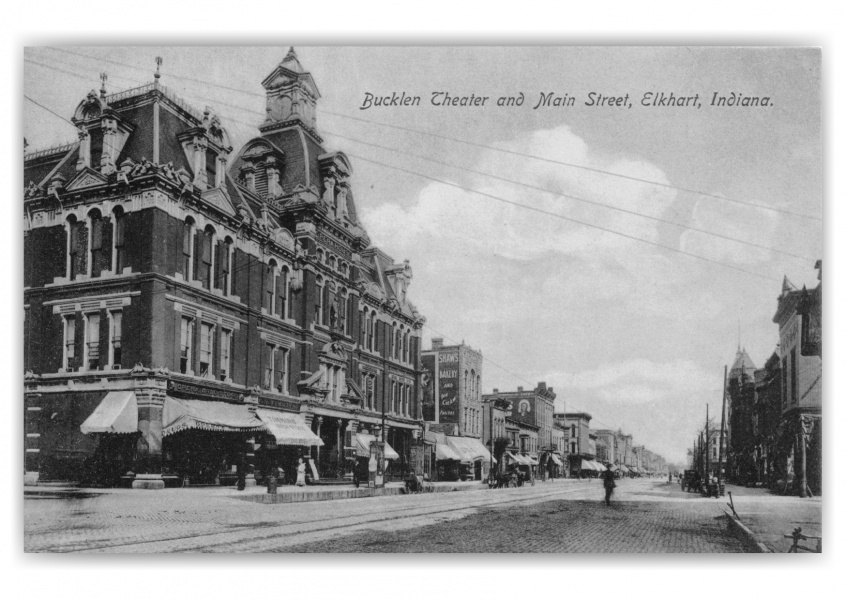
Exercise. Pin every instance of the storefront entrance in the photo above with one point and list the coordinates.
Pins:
(201, 457)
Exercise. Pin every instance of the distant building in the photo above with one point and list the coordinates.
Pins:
(452, 394)
(606, 446)
(799, 317)
(535, 408)
(577, 428)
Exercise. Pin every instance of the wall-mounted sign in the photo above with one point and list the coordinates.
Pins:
(448, 387)
(180, 387)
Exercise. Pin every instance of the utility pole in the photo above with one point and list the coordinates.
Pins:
(707, 445)
(722, 429)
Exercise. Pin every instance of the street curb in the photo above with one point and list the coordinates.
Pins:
(745, 535)
(346, 494)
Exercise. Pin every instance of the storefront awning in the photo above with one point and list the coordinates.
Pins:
(469, 449)
(587, 465)
(363, 443)
(116, 413)
(516, 458)
(624, 468)
(556, 460)
(599, 466)
(531, 460)
(182, 414)
(289, 429)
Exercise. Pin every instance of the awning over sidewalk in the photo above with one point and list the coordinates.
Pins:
(520, 460)
(624, 468)
(116, 413)
(556, 460)
(289, 429)
(363, 444)
(531, 460)
(182, 414)
(469, 449)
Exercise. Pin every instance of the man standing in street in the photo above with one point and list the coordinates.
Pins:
(609, 484)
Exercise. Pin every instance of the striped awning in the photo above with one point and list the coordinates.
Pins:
(469, 449)
(556, 460)
(116, 413)
(363, 446)
(289, 429)
(180, 414)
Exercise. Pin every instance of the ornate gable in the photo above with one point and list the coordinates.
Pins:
(87, 177)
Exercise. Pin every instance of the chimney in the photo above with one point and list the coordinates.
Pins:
(495, 390)
(519, 388)
(541, 385)
(437, 343)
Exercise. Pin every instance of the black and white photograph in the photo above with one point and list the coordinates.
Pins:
(301, 298)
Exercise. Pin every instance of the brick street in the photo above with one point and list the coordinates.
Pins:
(559, 516)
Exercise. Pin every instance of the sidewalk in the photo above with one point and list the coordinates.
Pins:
(770, 517)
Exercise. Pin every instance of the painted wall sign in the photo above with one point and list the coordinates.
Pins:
(180, 387)
(448, 387)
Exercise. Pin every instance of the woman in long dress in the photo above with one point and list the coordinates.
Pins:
(301, 470)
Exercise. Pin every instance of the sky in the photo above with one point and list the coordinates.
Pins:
(629, 318)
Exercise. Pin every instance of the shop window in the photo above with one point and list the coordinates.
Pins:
(115, 334)
(92, 341)
(69, 362)
(206, 348)
(225, 352)
(186, 336)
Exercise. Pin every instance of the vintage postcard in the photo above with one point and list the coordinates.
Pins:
(422, 299)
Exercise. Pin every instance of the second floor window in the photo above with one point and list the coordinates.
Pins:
(92, 341)
(276, 368)
(205, 259)
(97, 250)
(187, 249)
(186, 337)
(69, 362)
(77, 249)
(115, 350)
(225, 350)
(120, 248)
(206, 348)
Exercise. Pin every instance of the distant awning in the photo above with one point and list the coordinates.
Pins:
(363, 444)
(116, 413)
(289, 429)
(182, 414)
(469, 449)
(624, 468)
(520, 460)
(531, 460)
(556, 460)
(599, 466)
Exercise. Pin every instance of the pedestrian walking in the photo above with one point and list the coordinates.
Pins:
(609, 484)
(301, 472)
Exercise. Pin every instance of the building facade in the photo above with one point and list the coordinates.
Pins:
(453, 391)
(799, 318)
(192, 310)
(535, 408)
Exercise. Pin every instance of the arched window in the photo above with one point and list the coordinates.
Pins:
(374, 338)
(95, 247)
(342, 311)
(187, 249)
(478, 386)
(77, 248)
(118, 239)
(223, 265)
(405, 340)
(318, 301)
(205, 257)
(320, 256)
(282, 290)
(331, 262)
(270, 272)
(466, 376)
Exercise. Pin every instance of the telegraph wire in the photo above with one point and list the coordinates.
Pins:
(577, 198)
(558, 216)
(470, 143)
(527, 185)
(52, 112)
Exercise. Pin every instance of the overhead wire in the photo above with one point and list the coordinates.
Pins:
(470, 143)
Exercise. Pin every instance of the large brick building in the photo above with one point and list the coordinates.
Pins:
(188, 304)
